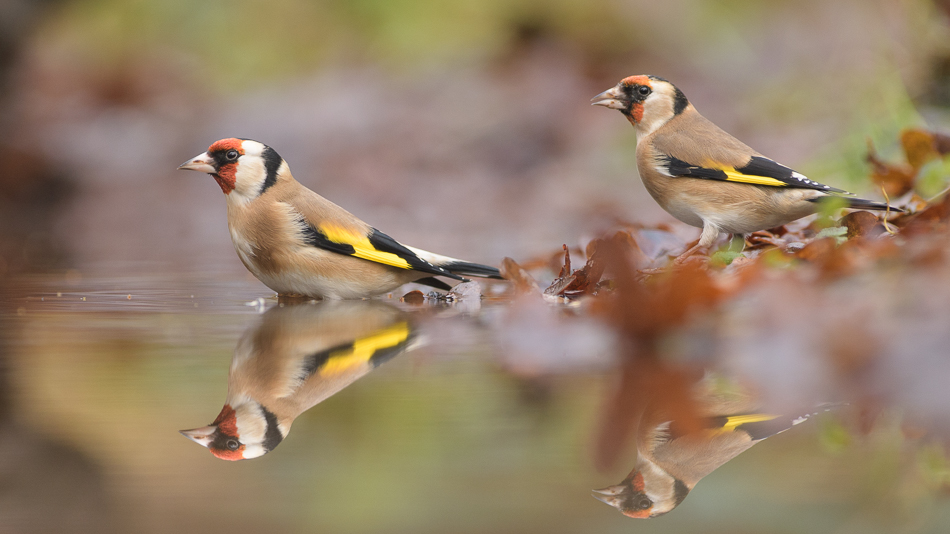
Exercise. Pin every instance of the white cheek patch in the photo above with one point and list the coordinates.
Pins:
(657, 109)
(254, 450)
(658, 486)
(249, 177)
(251, 424)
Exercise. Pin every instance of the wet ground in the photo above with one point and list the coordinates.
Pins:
(474, 416)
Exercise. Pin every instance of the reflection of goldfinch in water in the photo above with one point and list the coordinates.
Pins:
(702, 175)
(296, 357)
(299, 243)
(670, 461)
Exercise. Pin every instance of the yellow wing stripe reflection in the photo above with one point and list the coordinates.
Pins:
(363, 349)
(738, 420)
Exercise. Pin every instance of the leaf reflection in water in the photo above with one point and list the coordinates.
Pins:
(295, 357)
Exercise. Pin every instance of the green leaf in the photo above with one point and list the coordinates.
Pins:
(840, 233)
(933, 177)
(722, 258)
(828, 208)
(833, 436)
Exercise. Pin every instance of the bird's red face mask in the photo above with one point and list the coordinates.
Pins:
(220, 437)
(627, 96)
(628, 497)
(220, 161)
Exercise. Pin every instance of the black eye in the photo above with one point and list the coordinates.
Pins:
(644, 503)
(644, 90)
(232, 155)
(233, 444)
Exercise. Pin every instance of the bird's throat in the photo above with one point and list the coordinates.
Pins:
(225, 181)
(635, 113)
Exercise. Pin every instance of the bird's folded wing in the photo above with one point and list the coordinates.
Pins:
(373, 246)
(758, 171)
(703, 150)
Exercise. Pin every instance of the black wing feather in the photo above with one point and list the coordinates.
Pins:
(384, 243)
(757, 166)
(380, 242)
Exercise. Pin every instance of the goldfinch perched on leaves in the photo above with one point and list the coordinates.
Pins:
(705, 177)
(293, 359)
(672, 457)
(301, 244)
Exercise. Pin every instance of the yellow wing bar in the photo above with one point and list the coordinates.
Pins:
(733, 175)
(362, 247)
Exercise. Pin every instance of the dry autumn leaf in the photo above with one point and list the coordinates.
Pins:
(896, 179)
(521, 281)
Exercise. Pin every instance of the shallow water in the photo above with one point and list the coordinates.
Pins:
(496, 422)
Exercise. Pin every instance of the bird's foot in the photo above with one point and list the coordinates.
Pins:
(691, 256)
(293, 298)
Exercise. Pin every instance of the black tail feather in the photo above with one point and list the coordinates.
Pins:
(472, 269)
(860, 203)
(432, 281)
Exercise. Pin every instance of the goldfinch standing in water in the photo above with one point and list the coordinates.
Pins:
(301, 244)
(705, 177)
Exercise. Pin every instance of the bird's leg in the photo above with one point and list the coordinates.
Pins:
(761, 239)
(706, 239)
(682, 258)
(292, 298)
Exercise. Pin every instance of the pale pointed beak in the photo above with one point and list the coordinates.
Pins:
(202, 436)
(200, 163)
(610, 495)
(611, 98)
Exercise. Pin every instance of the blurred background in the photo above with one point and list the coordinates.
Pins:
(459, 127)
(446, 124)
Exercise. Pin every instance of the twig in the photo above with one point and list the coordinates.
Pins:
(887, 212)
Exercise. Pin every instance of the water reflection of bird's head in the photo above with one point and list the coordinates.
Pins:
(294, 358)
(634, 499)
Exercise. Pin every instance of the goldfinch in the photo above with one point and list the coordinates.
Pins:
(705, 177)
(301, 244)
(670, 460)
(294, 358)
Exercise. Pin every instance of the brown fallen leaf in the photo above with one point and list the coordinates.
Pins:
(896, 179)
(566, 269)
(835, 261)
(521, 281)
(862, 223)
(414, 297)
(932, 218)
(818, 250)
(920, 146)
(763, 239)
(942, 142)
(644, 311)
(582, 281)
